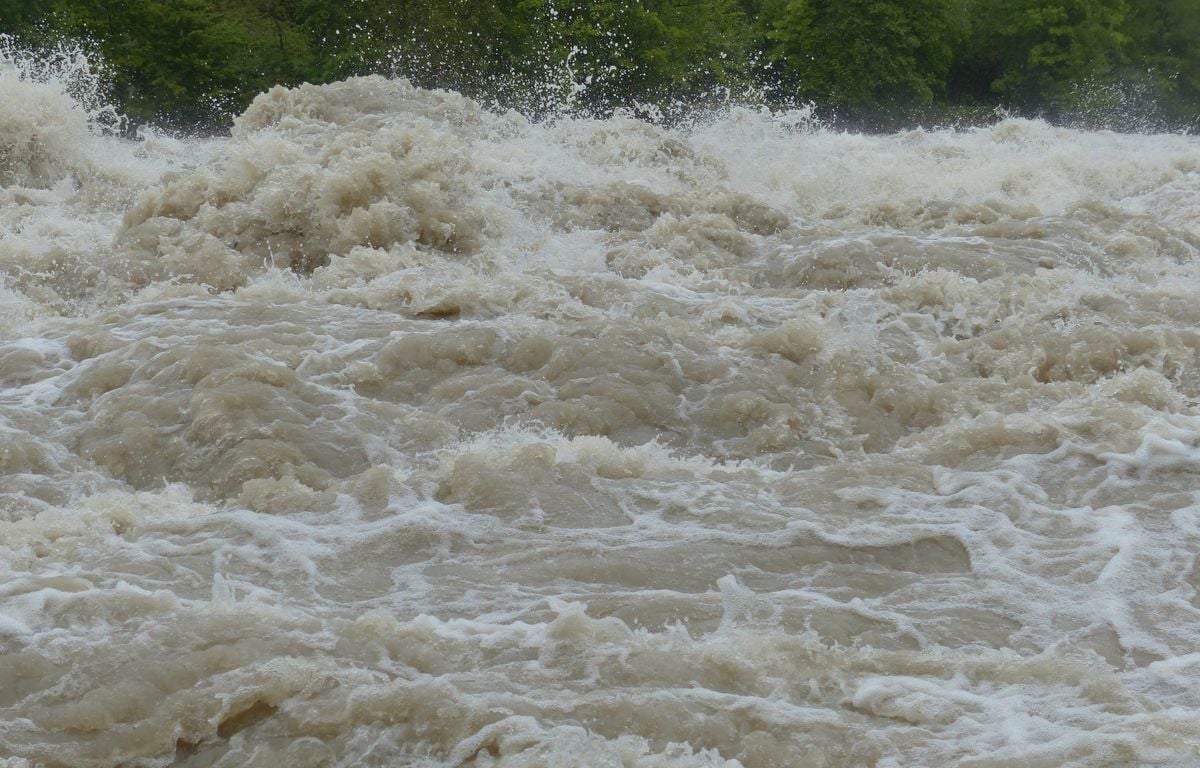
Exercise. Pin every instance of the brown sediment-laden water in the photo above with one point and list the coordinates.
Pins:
(390, 430)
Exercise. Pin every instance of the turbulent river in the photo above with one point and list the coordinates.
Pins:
(389, 430)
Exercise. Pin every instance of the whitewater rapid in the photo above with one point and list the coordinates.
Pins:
(389, 430)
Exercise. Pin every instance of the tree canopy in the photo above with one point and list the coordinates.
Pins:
(874, 63)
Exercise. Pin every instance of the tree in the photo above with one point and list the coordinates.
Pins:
(861, 56)
(17, 15)
(1041, 49)
(181, 62)
(1164, 49)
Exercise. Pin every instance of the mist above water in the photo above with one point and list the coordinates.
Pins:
(391, 430)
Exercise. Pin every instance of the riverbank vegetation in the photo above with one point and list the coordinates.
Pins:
(864, 63)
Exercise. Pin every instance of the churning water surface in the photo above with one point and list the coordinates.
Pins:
(393, 431)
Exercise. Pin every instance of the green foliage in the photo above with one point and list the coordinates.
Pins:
(16, 16)
(871, 62)
(1165, 39)
(1045, 46)
(183, 62)
(707, 46)
(616, 48)
(863, 54)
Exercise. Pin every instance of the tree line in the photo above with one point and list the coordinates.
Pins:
(1128, 64)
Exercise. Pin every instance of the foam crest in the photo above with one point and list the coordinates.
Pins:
(392, 430)
(56, 108)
